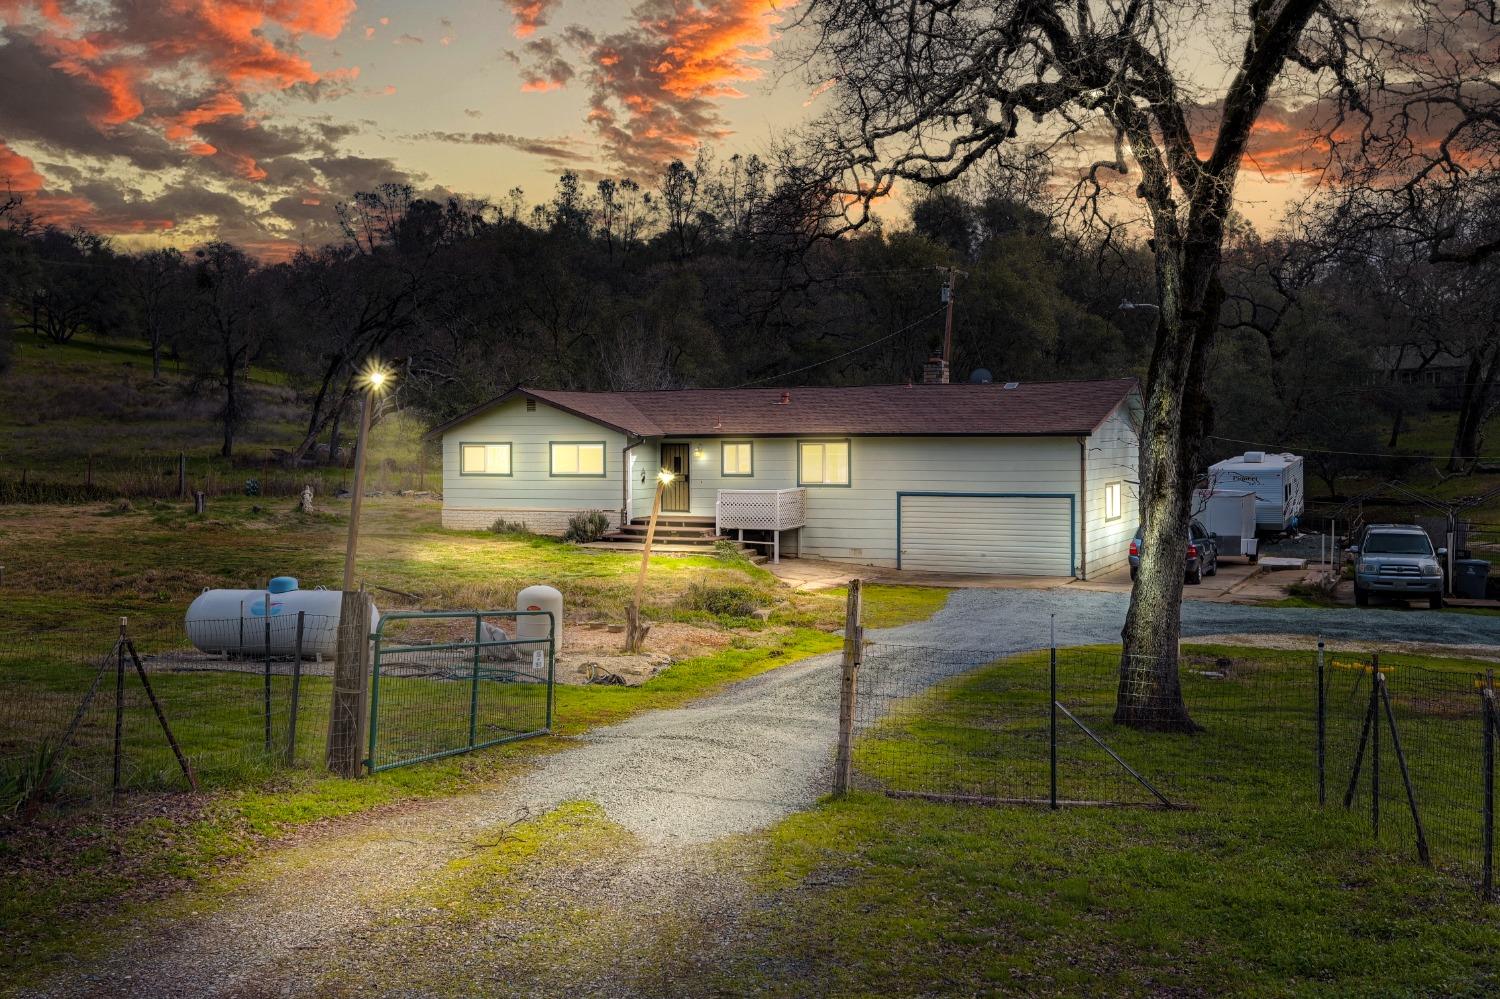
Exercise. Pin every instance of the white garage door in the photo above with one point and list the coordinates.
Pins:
(994, 535)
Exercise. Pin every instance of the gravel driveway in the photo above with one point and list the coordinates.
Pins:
(731, 763)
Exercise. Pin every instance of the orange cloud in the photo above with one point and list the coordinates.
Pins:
(222, 105)
(17, 173)
(655, 85)
(137, 55)
(530, 15)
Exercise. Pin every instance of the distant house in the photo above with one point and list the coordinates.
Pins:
(1032, 479)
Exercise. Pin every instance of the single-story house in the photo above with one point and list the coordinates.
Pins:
(1034, 478)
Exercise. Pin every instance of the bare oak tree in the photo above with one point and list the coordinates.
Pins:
(923, 91)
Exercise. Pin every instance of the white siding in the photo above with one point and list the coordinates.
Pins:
(993, 535)
(1113, 456)
(857, 523)
(531, 494)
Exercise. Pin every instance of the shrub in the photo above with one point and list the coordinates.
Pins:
(587, 526)
(514, 527)
(24, 779)
(723, 600)
(729, 551)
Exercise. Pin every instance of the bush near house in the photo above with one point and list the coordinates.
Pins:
(586, 527)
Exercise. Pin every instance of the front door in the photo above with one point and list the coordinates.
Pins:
(676, 498)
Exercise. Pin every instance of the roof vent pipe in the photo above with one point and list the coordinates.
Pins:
(786, 397)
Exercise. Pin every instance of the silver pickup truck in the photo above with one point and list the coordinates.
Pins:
(1397, 560)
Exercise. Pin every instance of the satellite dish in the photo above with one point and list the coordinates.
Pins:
(981, 376)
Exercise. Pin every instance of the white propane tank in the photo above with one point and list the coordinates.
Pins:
(534, 626)
(234, 621)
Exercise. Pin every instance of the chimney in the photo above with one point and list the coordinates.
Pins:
(935, 371)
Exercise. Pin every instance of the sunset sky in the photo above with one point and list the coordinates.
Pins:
(177, 121)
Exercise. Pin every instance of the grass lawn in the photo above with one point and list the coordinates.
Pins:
(72, 571)
(1254, 890)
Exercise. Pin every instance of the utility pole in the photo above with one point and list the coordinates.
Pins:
(952, 274)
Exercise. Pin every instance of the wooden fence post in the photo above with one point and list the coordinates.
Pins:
(854, 639)
(182, 475)
(346, 719)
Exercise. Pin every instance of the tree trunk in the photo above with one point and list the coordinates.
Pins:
(1466, 434)
(1176, 419)
(333, 435)
(231, 411)
(155, 356)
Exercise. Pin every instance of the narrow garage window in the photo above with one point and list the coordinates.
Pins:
(484, 459)
(737, 458)
(578, 458)
(1114, 500)
(823, 463)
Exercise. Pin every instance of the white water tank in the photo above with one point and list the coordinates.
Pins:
(534, 626)
(234, 621)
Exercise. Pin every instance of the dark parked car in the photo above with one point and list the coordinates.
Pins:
(1202, 553)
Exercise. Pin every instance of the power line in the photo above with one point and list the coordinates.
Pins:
(1352, 454)
(854, 350)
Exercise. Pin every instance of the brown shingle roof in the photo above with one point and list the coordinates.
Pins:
(1045, 409)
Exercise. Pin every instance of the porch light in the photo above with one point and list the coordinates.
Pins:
(665, 477)
(698, 451)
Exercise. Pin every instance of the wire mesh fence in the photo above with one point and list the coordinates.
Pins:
(77, 718)
(1270, 730)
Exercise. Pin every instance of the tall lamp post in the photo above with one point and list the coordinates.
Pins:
(346, 718)
(635, 632)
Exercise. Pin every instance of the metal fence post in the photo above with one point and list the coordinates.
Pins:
(291, 725)
(1491, 733)
(1322, 730)
(115, 780)
(551, 661)
(266, 655)
(474, 684)
(848, 688)
(1411, 791)
(1376, 679)
(1052, 710)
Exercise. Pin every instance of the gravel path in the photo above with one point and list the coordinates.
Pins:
(674, 780)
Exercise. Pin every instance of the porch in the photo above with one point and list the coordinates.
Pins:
(765, 513)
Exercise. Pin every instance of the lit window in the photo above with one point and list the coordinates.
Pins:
(823, 463)
(484, 459)
(737, 459)
(578, 458)
(1114, 500)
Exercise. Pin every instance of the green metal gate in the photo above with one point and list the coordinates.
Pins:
(449, 682)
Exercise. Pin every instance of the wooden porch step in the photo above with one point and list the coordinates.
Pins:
(623, 546)
(665, 531)
(675, 520)
(692, 540)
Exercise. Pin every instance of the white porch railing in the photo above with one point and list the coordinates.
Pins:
(773, 510)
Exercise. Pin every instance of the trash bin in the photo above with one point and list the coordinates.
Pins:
(1470, 576)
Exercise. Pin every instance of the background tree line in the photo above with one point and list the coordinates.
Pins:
(704, 277)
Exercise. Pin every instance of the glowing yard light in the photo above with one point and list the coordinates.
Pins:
(377, 378)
